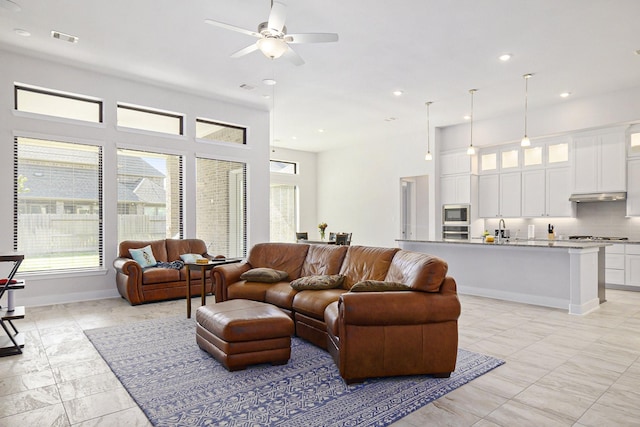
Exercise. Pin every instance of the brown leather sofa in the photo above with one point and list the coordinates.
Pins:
(369, 334)
(138, 285)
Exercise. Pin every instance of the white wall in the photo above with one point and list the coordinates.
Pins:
(359, 185)
(49, 288)
(306, 180)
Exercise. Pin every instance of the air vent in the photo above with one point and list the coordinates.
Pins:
(65, 37)
(247, 87)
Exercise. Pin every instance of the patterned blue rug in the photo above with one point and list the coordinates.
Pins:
(177, 384)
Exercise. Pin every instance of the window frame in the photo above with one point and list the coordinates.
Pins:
(150, 110)
(17, 87)
(219, 123)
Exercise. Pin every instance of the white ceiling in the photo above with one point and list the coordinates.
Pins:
(433, 50)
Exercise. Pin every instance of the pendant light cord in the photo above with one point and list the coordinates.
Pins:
(471, 124)
(526, 97)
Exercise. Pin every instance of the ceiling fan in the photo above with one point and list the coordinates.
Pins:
(273, 40)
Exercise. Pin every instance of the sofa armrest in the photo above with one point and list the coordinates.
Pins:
(226, 274)
(397, 308)
(129, 279)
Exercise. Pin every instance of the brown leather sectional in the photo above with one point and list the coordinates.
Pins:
(138, 285)
(369, 334)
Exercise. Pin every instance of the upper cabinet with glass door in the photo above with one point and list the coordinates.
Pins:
(548, 152)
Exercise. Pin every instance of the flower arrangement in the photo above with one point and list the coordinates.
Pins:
(322, 227)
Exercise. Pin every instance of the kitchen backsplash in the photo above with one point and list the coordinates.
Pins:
(606, 219)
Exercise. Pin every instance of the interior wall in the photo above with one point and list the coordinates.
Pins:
(307, 186)
(359, 185)
(56, 288)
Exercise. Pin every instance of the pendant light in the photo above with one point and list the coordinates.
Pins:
(428, 156)
(471, 150)
(525, 140)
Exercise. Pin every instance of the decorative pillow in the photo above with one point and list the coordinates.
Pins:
(318, 282)
(143, 256)
(378, 286)
(190, 258)
(264, 275)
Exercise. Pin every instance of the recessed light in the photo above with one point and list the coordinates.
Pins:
(294, 137)
(266, 96)
(467, 117)
(565, 94)
(65, 37)
(505, 57)
(21, 32)
(398, 92)
(320, 130)
(269, 82)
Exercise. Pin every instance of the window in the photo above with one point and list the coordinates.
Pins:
(149, 196)
(210, 130)
(283, 167)
(57, 205)
(48, 102)
(152, 120)
(221, 206)
(489, 162)
(509, 159)
(532, 156)
(559, 153)
(283, 211)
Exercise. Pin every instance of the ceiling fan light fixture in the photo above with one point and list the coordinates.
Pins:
(272, 47)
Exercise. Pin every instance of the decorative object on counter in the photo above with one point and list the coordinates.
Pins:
(428, 156)
(322, 227)
(471, 151)
(525, 140)
(485, 235)
(551, 233)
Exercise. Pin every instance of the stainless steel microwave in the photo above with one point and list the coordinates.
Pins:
(456, 214)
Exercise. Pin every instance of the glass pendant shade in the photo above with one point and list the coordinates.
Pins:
(525, 142)
(471, 151)
(428, 156)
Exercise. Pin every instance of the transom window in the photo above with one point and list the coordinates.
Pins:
(214, 131)
(283, 167)
(143, 118)
(57, 104)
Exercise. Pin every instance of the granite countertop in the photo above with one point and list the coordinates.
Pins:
(560, 244)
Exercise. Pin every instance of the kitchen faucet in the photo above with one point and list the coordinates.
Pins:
(501, 227)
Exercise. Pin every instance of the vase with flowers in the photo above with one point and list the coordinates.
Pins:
(322, 227)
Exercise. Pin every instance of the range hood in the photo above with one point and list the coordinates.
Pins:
(598, 197)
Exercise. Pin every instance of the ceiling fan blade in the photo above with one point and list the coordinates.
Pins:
(292, 56)
(311, 38)
(245, 51)
(277, 16)
(232, 28)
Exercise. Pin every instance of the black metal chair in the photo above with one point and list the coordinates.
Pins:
(302, 236)
(342, 239)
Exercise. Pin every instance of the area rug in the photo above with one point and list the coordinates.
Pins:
(177, 384)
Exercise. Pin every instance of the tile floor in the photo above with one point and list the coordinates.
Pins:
(561, 370)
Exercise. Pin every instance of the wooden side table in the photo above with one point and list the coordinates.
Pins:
(203, 277)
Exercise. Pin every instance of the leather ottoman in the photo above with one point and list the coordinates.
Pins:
(240, 332)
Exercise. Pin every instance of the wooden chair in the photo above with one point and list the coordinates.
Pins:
(302, 236)
(342, 239)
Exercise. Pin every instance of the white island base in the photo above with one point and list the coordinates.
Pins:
(555, 274)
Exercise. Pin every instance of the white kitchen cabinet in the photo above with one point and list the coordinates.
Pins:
(615, 264)
(455, 189)
(633, 187)
(489, 196)
(632, 265)
(533, 193)
(499, 195)
(599, 162)
(455, 163)
(558, 190)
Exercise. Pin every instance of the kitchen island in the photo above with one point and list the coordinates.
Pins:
(559, 274)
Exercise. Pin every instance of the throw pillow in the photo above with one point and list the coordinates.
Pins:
(143, 256)
(378, 286)
(190, 258)
(264, 275)
(318, 282)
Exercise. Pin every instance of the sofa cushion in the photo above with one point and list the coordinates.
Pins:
(378, 286)
(313, 303)
(153, 275)
(143, 256)
(324, 281)
(279, 256)
(264, 275)
(254, 291)
(422, 272)
(323, 259)
(281, 295)
(366, 263)
(158, 247)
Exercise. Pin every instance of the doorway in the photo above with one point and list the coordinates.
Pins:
(414, 207)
